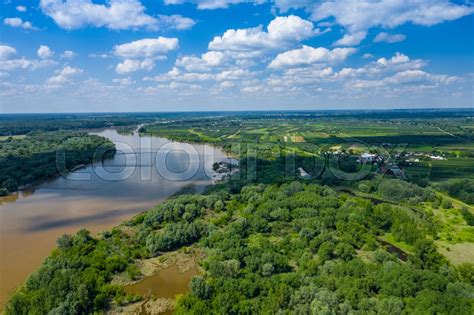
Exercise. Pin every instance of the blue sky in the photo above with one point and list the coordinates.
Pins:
(173, 55)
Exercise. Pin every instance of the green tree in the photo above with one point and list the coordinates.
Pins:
(446, 204)
(426, 255)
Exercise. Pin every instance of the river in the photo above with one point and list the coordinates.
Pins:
(145, 171)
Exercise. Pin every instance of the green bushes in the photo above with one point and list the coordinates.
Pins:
(316, 270)
(174, 236)
(426, 256)
(133, 272)
(468, 216)
(401, 191)
(76, 277)
(291, 248)
(405, 229)
(446, 204)
(463, 189)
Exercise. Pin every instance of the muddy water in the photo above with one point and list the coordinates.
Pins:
(145, 170)
(166, 283)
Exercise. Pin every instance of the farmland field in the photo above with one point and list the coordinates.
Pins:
(321, 198)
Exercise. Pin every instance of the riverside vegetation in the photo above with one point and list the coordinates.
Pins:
(39, 156)
(270, 248)
(275, 242)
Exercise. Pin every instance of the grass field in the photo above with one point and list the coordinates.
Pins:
(452, 138)
(457, 253)
(14, 137)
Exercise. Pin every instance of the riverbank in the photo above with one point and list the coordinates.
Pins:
(45, 156)
(65, 205)
(162, 279)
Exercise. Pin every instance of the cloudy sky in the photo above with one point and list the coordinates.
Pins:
(173, 55)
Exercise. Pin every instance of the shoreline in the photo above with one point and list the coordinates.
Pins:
(95, 229)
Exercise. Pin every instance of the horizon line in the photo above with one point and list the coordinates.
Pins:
(252, 111)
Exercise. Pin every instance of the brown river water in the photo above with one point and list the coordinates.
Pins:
(145, 171)
(166, 283)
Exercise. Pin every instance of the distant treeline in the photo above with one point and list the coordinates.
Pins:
(44, 155)
(23, 124)
(17, 124)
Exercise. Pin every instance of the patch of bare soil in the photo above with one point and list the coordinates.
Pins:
(147, 307)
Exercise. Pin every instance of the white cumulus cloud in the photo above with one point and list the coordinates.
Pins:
(176, 21)
(351, 39)
(357, 16)
(398, 62)
(64, 76)
(68, 54)
(124, 81)
(234, 74)
(212, 4)
(252, 89)
(8, 62)
(18, 22)
(6, 52)
(280, 32)
(389, 38)
(207, 61)
(44, 52)
(113, 14)
(290, 28)
(147, 47)
(309, 55)
(141, 54)
(420, 77)
(130, 65)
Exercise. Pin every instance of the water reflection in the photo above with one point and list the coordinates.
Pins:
(32, 220)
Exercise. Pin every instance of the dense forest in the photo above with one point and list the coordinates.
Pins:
(42, 155)
(274, 240)
(13, 124)
(289, 248)
(462, 189)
